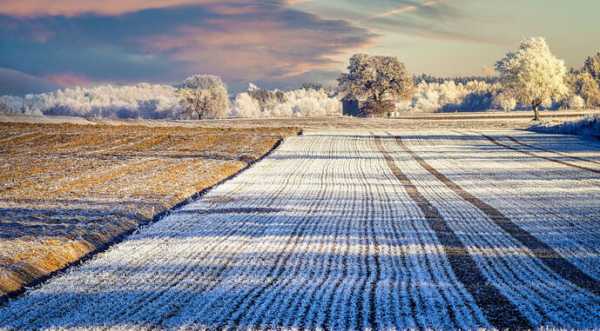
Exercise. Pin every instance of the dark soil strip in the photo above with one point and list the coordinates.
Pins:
(513, 139)
(541, 250)
(372, 239)
(540, 156)
(498, 310)
(373, 320)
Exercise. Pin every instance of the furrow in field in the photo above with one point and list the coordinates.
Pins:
(523, 268)
(316, 257)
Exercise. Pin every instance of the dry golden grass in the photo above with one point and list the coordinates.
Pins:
(67, 190)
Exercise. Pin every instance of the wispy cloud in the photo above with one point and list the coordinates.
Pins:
(408, 7)
(31, 8)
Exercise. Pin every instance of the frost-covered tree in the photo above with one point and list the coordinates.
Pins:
(451, 96)
(13, 105)
(586, 82)
(204, 96)
(505, 101)
(576, 102)
(260, 103)
(587, 87)
(592, 66)
(377, 81)
(246, 106)
(533, 74)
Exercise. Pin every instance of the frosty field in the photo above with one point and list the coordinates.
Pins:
(359, 229)
(67, 190)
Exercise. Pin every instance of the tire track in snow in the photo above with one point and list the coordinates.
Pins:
(574, 157)
(541, 250)
(498, 310)
(542, 295)
(572, 234)
(568, 164)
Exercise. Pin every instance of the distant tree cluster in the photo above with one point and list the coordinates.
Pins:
(530, 77)
(303, 102)
(197, 97)
(106, 101)
(450, 97)
(585, 82)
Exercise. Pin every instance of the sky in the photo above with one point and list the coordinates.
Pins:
(49, 44)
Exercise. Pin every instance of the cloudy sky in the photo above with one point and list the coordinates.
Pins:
(46, 44)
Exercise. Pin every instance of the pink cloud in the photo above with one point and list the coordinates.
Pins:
(105, 7)
(69, 79)
(257, 48)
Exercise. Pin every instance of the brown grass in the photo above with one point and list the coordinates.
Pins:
(66, 190)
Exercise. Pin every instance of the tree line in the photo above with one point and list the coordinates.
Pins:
(529, 77)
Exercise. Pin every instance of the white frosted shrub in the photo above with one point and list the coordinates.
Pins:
(295, 103)
(576, 102)
(246, 106)
(449, 95)
(505, 102)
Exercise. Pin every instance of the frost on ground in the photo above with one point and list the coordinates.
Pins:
(66, 190)
(588, 126)
(347, 229)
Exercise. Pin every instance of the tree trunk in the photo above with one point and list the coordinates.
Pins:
(536, 113)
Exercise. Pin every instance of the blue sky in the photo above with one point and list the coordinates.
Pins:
(277, 43)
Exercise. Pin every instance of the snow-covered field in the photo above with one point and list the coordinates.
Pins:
(359, 229)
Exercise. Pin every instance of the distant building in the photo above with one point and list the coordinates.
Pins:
(350, 107)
